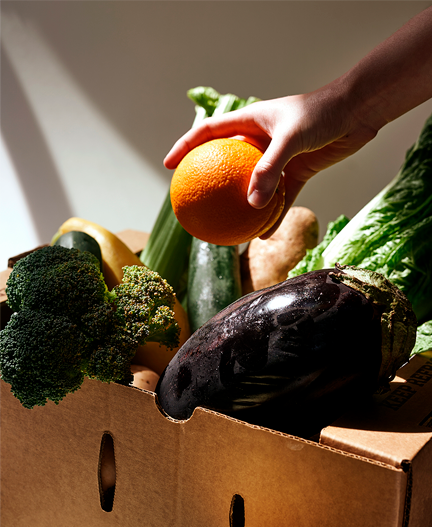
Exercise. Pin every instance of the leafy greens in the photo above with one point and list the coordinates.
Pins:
(424, 338)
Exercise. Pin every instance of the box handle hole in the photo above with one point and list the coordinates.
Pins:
(107, 472)
(237, 511)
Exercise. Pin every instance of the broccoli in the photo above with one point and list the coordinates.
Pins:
(39, 282)
(42, 357)
(147, 301)
(68, 326)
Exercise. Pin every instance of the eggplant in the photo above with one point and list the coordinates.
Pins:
(281, 350)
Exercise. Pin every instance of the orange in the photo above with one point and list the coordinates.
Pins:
(209, 193)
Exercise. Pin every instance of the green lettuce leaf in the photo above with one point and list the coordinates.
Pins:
(313, 258)
(424, 338)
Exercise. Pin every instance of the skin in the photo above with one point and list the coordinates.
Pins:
(301, 135)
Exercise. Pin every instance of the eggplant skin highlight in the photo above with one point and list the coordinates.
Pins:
(308, 338)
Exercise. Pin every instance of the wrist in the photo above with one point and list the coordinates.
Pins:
(366, 104)
(347, 108)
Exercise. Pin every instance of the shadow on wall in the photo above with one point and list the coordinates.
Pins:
(38, 177)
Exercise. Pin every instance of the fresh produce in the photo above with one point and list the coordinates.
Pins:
(214, 280)
(210, 102)
(266, 262)
(392, 234)
(297, 341)
(82, 241)
(424, 338)
(41, 356)
(144, 378)
(115, 254)
(311, 260)
(67, 324)
(57, 280)
(209, 193)
(146, 301)
(167, 250)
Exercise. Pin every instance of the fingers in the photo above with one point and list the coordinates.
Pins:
(239, 123)
(266, 175)
(185, 144)
(255, 125)
(292, 190)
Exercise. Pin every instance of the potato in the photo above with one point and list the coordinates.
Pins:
(267, 262)
(144, 377)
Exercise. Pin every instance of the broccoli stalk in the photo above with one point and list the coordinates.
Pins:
(67, 325)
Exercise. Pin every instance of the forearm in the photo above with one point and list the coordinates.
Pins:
(395, 77)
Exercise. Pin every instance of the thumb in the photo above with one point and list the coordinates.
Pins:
(266, 175)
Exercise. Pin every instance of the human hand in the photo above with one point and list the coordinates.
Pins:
(299, 136)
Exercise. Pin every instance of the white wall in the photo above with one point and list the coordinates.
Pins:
(94, 95)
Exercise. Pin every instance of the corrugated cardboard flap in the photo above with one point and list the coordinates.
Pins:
(396, 428)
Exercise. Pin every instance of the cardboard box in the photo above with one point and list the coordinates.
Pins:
(370, 468)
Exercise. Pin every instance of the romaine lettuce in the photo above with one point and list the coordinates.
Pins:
(313, 257)
(424, 338)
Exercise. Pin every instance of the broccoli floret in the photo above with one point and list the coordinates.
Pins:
(144, 313)
(57, 280)
(68, 325)
(147, 302)
(111, 360)
(42, 357)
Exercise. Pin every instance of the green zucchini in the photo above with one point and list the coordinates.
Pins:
(82, 241)
(214, 280)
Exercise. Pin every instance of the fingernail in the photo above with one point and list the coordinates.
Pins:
(255, 199)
